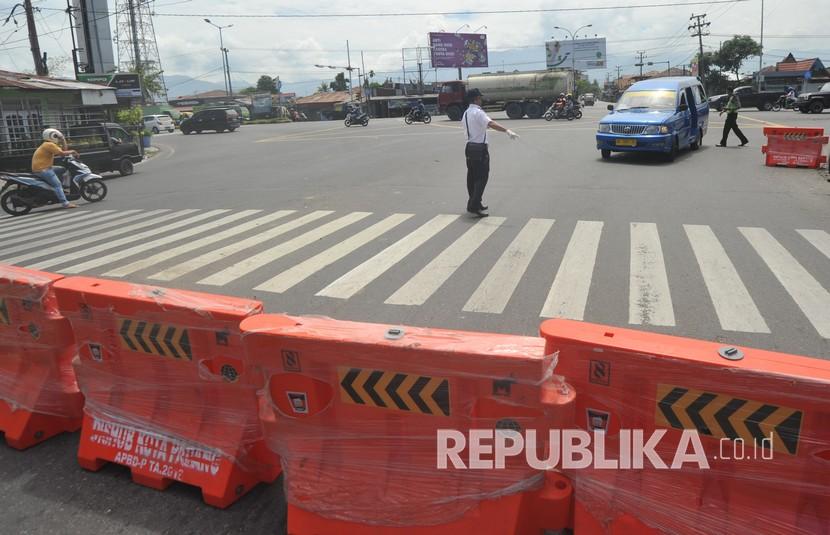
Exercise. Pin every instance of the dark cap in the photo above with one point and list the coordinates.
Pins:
(473, 93)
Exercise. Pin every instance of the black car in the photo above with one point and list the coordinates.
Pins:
(814, 102)
(218, 119)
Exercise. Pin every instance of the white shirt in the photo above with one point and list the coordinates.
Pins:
(475, 123)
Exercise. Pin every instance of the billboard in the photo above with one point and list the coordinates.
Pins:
(126, 84)
(586, 53)
(92, 27)
(261, 104)
(458, 49)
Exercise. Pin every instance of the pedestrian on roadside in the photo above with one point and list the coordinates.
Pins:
(733, 104)
(476, 122)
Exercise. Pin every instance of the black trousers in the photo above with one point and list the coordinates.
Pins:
(478, 171)
(732, 124)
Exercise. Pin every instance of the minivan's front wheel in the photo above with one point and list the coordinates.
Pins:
(94, 190)
(698, 140)
(672, 154)
(606, 154)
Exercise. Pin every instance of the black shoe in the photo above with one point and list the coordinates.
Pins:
(744, 143)
(721, 145)
(483, 207)
(482, 213)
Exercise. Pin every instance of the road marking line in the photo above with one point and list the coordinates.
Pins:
(805, 290)
(498, 286)
(649, 301)
(427, 281)
(96, 237)
(224, 252)
(150, 233)
(734, 306)
(819, 239)
(760, 121)
(25, 226)
(252, 263)
(288, 136)
(193, 245)
(358, 278)
(298, 273)
(568, 296)
(160, 242)
(68, 230)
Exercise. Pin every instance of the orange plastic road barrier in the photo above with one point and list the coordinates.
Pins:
(168, 393)
(794, 147)
(354, 411)
(762, 420)
(39, 397)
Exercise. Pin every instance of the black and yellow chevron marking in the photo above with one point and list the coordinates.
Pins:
(4, 313)
(396, 391)
(725, 416)
(155, 339)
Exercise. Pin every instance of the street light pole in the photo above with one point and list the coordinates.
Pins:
(573, 52)
(223, 52)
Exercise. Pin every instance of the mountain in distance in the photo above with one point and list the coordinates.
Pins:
(180, 86)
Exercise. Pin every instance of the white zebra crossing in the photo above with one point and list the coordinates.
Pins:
(132, 238)
(568, 296)
(649, 301)
(154, 244)
(807, 292)
(175, 252)
(734, 306)
(223, 252)
(239, 243)
(498, 286)
(358, 278)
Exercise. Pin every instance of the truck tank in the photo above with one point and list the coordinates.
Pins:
(532, 85)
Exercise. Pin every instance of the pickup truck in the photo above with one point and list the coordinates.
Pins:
(749, 99)
(814, 102)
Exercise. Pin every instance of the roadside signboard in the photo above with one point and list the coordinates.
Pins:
(458, 49)
(587, 54)
(261, 104)
(126, 84)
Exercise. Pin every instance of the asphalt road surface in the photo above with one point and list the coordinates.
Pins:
(368, 224)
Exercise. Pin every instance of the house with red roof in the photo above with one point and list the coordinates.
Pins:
(803, 75)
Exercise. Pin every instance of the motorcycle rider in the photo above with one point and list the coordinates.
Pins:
(790, 95)
(418, 109)
(43, 162)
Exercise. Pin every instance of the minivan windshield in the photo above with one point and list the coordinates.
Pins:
(648, 99)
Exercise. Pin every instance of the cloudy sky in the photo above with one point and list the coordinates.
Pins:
(289, 47)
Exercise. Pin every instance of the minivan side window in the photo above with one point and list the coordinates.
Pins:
(700, 97)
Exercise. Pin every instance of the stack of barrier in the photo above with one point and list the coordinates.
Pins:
(794, 147)
(353, 409)
(39, 397)
(746, 406)
(168, 393)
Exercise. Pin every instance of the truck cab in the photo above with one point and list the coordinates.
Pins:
(451, 99)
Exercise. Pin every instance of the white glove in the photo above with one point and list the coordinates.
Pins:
(512, 134)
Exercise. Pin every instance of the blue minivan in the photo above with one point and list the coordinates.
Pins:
(657, 115)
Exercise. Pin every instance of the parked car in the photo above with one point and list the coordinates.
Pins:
(218, 119)
(814, 102)
(158, 123)
(748, 97)
(588, 99)
(657, 115)
(105, 147)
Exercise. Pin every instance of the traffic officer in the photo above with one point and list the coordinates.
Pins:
(731, 108)
(476, 122)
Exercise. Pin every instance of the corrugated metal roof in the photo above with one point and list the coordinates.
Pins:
(21, 80)
(337, 97)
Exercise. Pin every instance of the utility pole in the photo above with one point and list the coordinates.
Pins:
(228, 71)
(420, 73)
(699, 30)
(136, 50)
(72, 33)
(761, 55)
(365, 83)
(641, 54)
(40, 61)
(349, 68)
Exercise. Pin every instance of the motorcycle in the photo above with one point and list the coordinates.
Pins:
(785, 103)
(360, 118)
(415, 115)
(23, 192)
(563, 111)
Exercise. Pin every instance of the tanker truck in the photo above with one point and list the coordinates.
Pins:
(518, 93)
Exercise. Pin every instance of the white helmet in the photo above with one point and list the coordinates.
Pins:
(53, 134)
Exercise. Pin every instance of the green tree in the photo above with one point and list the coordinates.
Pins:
(324, 88)
(249, 91)
(734, 53)
(340, 83)
(266, 84)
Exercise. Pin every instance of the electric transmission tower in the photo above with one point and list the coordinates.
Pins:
(138, 51)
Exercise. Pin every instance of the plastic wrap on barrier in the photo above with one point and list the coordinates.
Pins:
(36, 351)
(167, 389)
(354, 410)
(761, 462)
